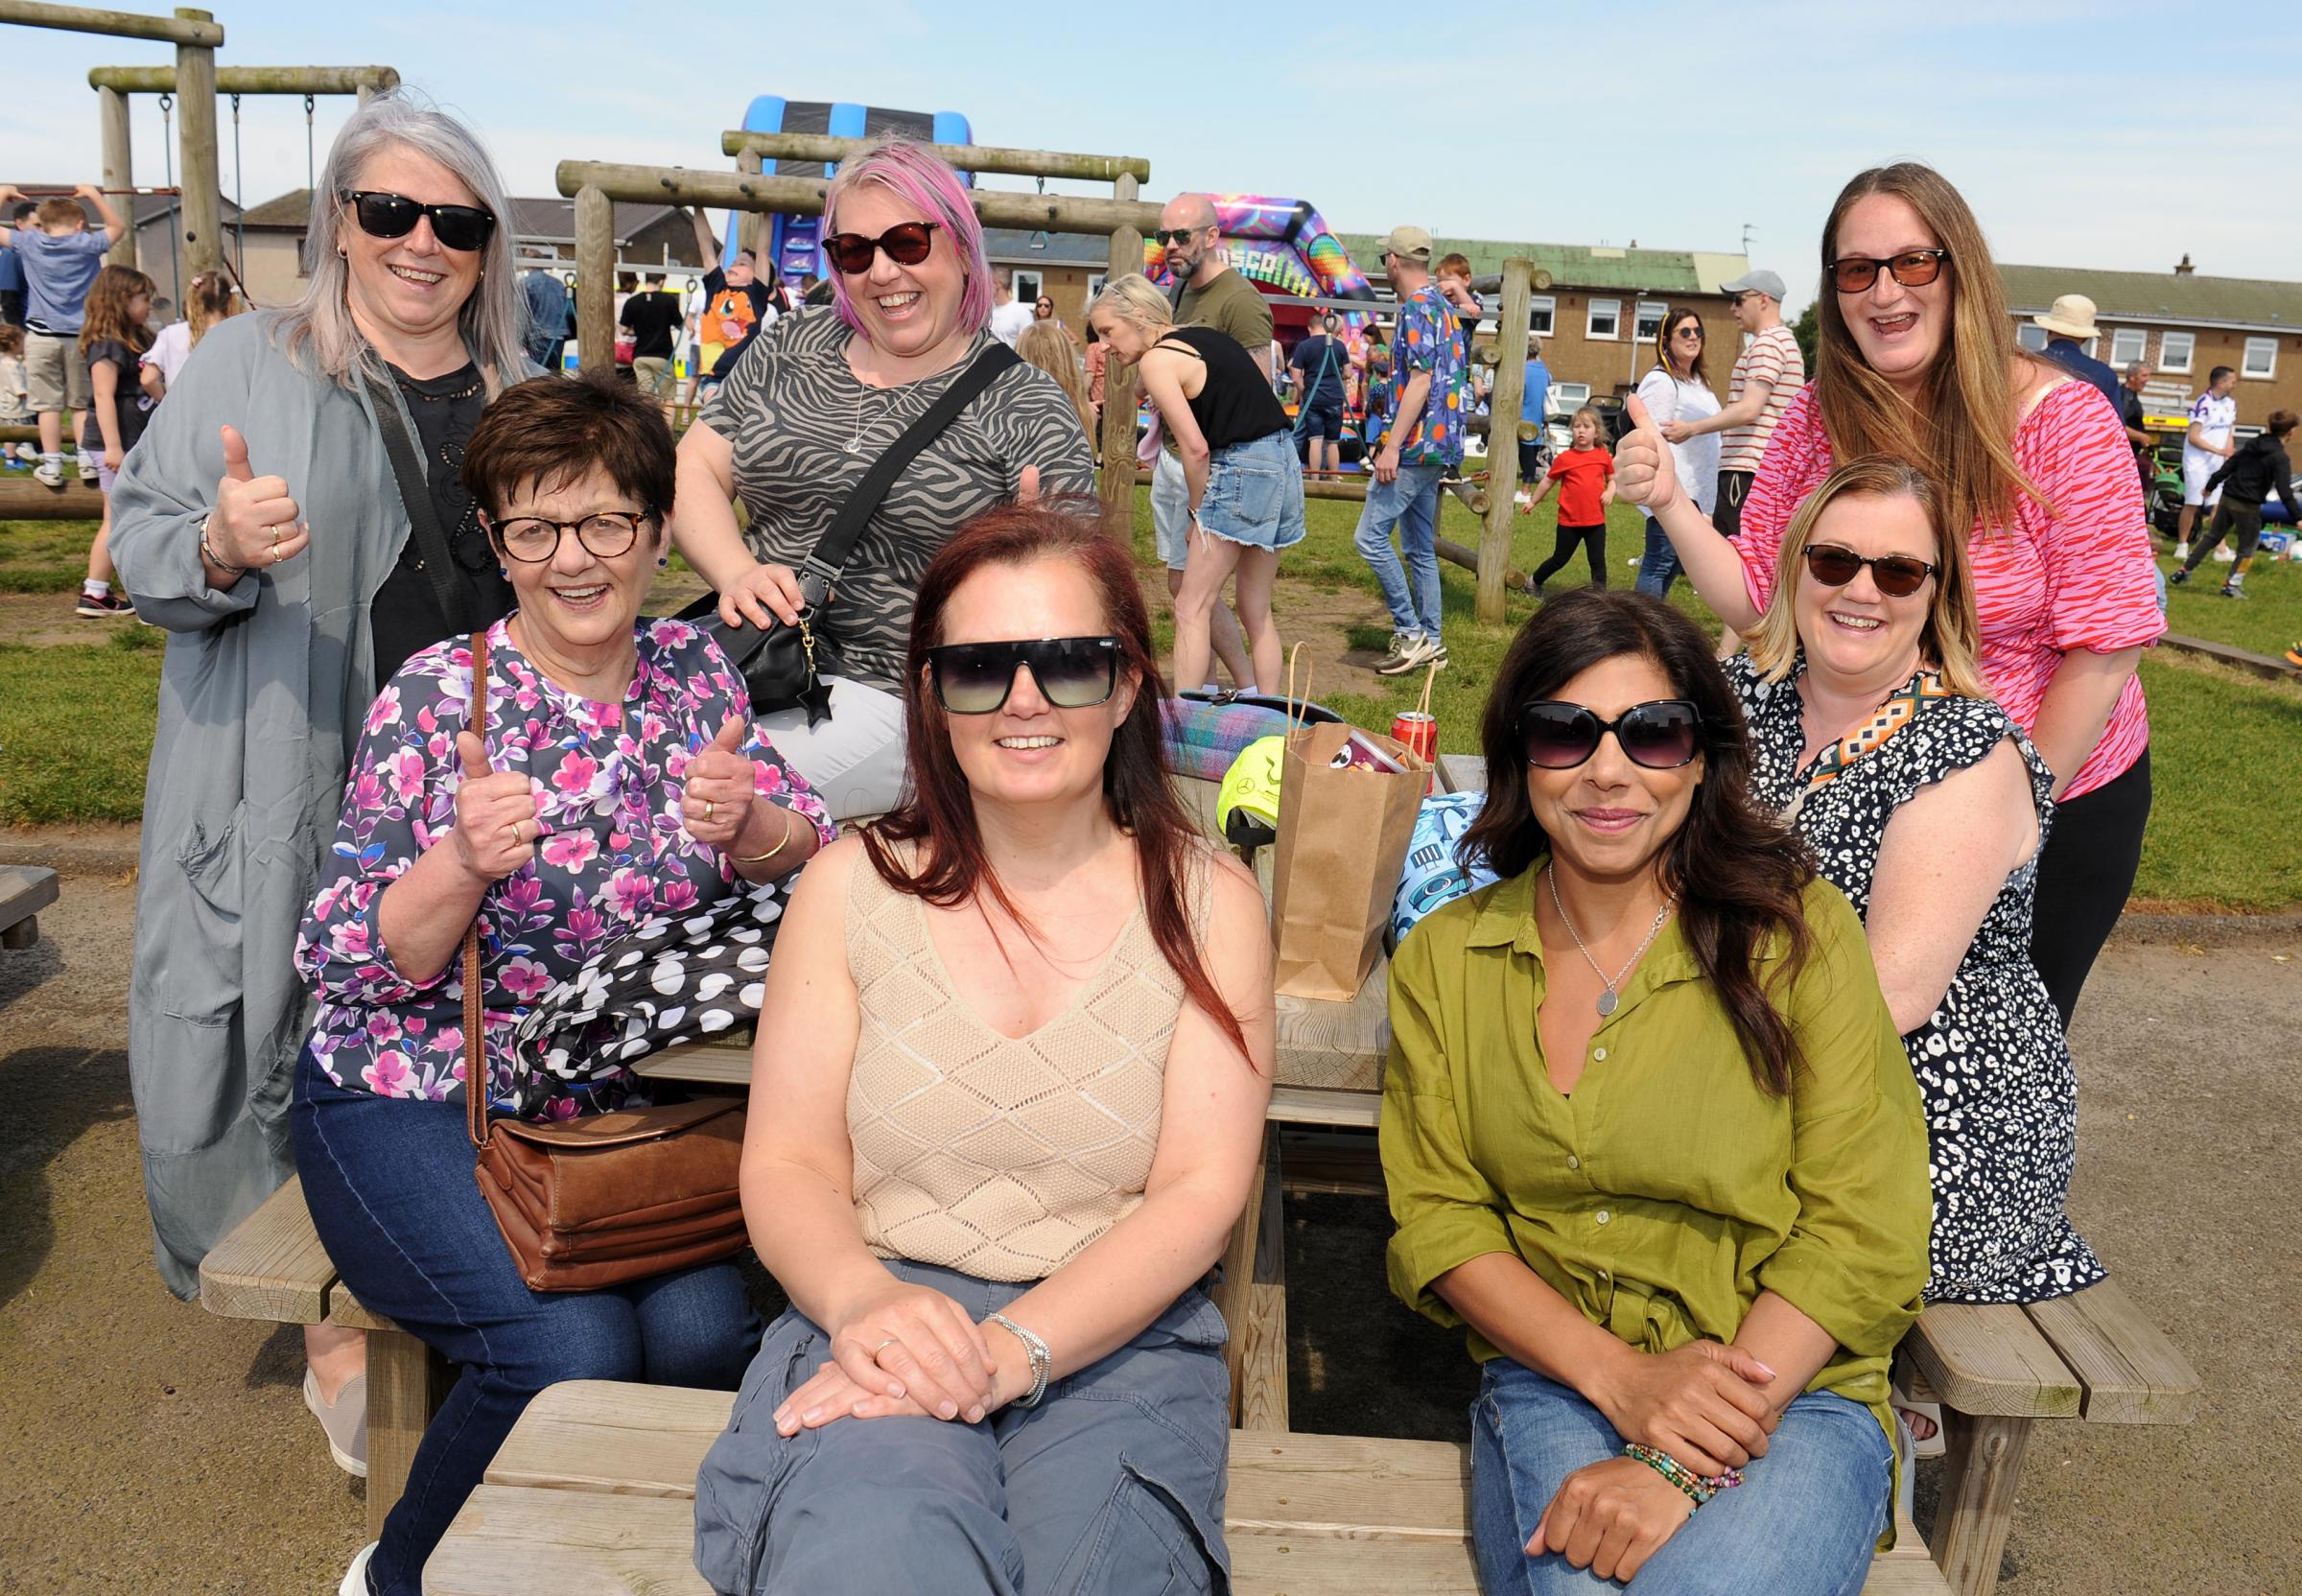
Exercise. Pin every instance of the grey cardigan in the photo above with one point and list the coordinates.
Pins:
(262, 697)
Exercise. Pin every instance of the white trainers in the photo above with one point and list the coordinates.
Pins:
(355, 1578)
(49, 473)
(2224, 555)
(1402, 644)
(2182, 550)
(1419, 650)
(344, 1421)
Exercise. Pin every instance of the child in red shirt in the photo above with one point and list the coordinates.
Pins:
(1586, 474)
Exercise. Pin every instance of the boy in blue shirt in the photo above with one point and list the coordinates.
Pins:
(60, 258)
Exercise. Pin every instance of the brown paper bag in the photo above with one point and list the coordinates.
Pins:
(1342, 841)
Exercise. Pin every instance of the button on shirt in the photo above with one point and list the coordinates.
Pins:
(1669, 1190)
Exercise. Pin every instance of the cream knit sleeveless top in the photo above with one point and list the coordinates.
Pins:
(998, 1156)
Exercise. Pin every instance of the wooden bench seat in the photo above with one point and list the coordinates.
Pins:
(24, 891)
(593, 1493)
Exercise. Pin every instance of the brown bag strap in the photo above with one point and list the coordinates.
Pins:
(475, 1016)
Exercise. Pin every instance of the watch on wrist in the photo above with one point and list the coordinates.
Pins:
(1043, 1361)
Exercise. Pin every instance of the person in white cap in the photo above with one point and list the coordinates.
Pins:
(2070, 320)
(1768, 375)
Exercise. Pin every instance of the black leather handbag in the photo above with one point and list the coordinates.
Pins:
(777, 662)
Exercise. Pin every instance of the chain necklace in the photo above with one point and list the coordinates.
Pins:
(1607, 997)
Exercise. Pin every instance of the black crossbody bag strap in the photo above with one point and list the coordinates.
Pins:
(423, 524)
(830, 556)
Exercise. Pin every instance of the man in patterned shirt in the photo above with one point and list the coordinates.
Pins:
(1420, 445)
(1768, 375)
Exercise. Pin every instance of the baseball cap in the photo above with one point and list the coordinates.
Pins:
(1755, 282)
(1411, 242)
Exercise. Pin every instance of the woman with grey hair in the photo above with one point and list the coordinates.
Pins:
(265, 521)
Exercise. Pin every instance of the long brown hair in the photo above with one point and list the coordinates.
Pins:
(1671, 318)
(1951, 638)
(937, 814)
(1962, 430)
(106, 313)
(1738, 869)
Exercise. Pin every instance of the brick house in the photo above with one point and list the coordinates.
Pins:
(2183, 323)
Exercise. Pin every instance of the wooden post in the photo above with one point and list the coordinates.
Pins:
(594, 277)
(747, 222)
(1118, 393)
(1502, 439)
(183, 28)
(250, 79)
(200, 204)
(681, 185)
(119, 171)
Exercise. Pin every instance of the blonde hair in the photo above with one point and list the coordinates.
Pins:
(1134, 299)
(1050, 348)
(1950, 640)
(209, 298)
(1598, 423)
(318, 327)
(1964, 428)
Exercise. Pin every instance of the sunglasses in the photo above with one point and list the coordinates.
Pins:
(1688, 331)
(382, 215)
(1897, 576)
(1174, 235)
(906, 244)
(531, 539)
(1661, 735)
(1072, 672)
(1912, 269)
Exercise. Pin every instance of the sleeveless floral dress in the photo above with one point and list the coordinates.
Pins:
(1993, 1069)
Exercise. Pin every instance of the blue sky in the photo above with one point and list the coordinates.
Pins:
(2110, 135)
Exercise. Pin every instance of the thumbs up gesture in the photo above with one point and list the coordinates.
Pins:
(494, 814)
(1643, 473)
(721, 786)
(255, 524)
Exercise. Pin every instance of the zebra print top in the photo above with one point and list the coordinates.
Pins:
(791, 409)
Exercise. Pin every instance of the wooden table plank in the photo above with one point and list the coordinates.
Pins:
(1463, 772)
(272, 1266)
(24, 891)
(2132, 1373)
(1990, 1360)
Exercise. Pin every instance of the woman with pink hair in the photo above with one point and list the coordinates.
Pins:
(814, 402)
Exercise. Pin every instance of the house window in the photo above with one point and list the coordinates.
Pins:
(1543, 310)
(2176, 351)
(1651, 312)
(2260, 359)
(1604, 320)
(2031, 336)
(2127, 345)
(1095, 285)
(1026, 287)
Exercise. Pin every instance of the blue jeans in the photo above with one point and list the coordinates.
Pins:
(1409, 502)
(1803, 1522)
(390, 1182)
(1111, 1487)
(1658, 567)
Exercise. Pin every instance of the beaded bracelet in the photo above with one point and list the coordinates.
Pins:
(1699, 1488)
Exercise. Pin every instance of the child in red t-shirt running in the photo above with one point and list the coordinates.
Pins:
(1585, 475)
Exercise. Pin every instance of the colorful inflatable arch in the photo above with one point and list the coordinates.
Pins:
(1283, 244)
(791, 246)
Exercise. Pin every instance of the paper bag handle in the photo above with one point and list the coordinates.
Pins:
(1430, 679)
(1297, 708)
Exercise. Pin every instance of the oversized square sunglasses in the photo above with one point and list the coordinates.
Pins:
(1072, 672)
(1662, 734)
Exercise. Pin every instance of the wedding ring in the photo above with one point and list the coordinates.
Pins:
(883, 1346)
(515, 829)
(708, 808)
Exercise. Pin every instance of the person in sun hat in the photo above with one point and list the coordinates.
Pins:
(2070, 320)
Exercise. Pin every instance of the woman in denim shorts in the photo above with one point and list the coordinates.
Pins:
(1238, 461)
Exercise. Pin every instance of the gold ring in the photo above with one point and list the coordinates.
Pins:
(514, 829)
(708, 808)
(883, 1346)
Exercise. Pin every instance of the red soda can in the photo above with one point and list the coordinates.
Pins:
(1418, 729)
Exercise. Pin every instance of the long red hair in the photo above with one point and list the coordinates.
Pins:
(937, 815)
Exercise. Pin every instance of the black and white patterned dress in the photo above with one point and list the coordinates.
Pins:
(791, 409)
(1993, 1069)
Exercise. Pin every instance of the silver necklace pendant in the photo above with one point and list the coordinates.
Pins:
(853, 446)
(1606, 1002)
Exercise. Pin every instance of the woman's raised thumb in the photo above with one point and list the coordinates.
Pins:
(472, 754)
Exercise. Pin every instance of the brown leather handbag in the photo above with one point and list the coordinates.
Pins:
(608, 1198)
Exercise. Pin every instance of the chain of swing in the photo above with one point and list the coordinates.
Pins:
(176, 268)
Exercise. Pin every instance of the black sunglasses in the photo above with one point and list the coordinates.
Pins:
(1661, 735)
(1912, 269)
(1168, 236)
(1897, 576)
(385, 215)
(906, 244)
(1072, 672)
(530, 539)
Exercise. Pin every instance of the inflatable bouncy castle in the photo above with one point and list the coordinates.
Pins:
(788, 245)
(1284, 247)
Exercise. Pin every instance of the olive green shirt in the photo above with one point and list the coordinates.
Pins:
(1670, 1188)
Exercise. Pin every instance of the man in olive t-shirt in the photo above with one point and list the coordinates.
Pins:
(1210, 293)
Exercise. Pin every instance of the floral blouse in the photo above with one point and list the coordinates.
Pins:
(611, 853)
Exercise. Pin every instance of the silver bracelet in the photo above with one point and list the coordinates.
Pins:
(1043, 1361)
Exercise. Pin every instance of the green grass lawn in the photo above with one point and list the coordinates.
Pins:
(2268, 620)
(76, 720)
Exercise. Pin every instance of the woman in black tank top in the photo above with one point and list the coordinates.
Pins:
(1238, 463)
